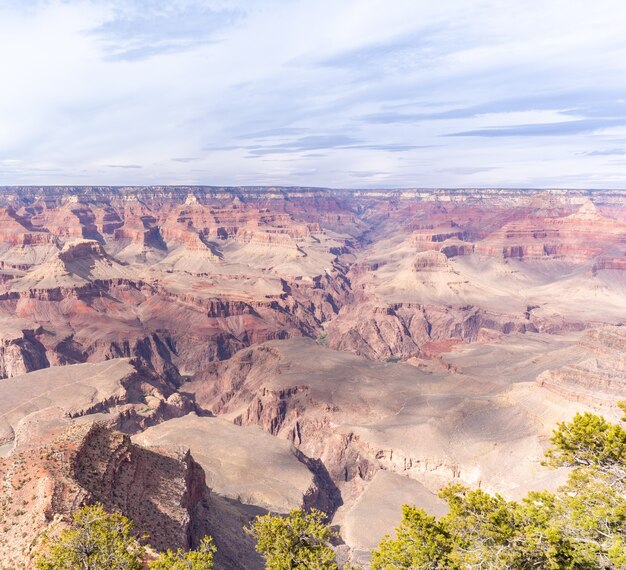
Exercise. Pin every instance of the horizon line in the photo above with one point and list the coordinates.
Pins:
(307, 187)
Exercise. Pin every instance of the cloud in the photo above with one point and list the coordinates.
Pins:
(140, 30)
(131, 166)
(275, 132)
(468, 170)
(416, 48)
(325, 142)
(390, 147)
(367, 173)
(310, 142)
(606, 152)
(218, 147)
(587, 104)
(324, 93)
(562, 128)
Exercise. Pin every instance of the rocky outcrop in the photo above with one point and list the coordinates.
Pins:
(356, 417)
(179, 277)
(152, 352)
(63, 434)
(21, 352)
(402, 330)
(238, 388)
(164, 493)
(81, 249)
(582, 235)
(248, 465)
(283, 413)
(599, 378)
(454, 248)
(430, 261)
(40, 404)
(611, 263)
(17, 231)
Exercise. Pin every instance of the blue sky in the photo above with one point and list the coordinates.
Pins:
(343, 93)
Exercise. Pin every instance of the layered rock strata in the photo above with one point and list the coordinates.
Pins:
(599, 377)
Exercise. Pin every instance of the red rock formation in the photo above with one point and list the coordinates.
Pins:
(181, 276)
(164, 493)
(21, 354)
(184, 280)
(401, 330)
(580, 236)
(599, 378)
(15, 232)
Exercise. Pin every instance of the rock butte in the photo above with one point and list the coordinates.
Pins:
(360, 349)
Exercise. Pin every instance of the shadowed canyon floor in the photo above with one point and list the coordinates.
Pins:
(271, 348)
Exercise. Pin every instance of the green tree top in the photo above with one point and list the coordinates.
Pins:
(580, 527)
(588, 441)
(199, 559)
(421, 542)
(299, 541)
(95, 540)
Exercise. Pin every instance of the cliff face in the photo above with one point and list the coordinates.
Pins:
(248, 389)
(357, 417)
(599, 378)
(287, 310)
(175, 285)
(21, 352)
(581, 235)
(164, 493)
(64, 442)
(245, 464)
(179, 277)
(477, 418)
(405, 330)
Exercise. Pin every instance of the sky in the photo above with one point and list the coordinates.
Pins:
(334, 93)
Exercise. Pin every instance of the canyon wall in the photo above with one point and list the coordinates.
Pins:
(362, 339)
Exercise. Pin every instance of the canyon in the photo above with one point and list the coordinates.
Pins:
(195, 356)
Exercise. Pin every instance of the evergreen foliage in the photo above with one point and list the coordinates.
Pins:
(581, 527)
(200, 559)
(299, 541)
(95, 541)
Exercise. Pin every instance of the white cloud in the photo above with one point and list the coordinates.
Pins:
(326, 92)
